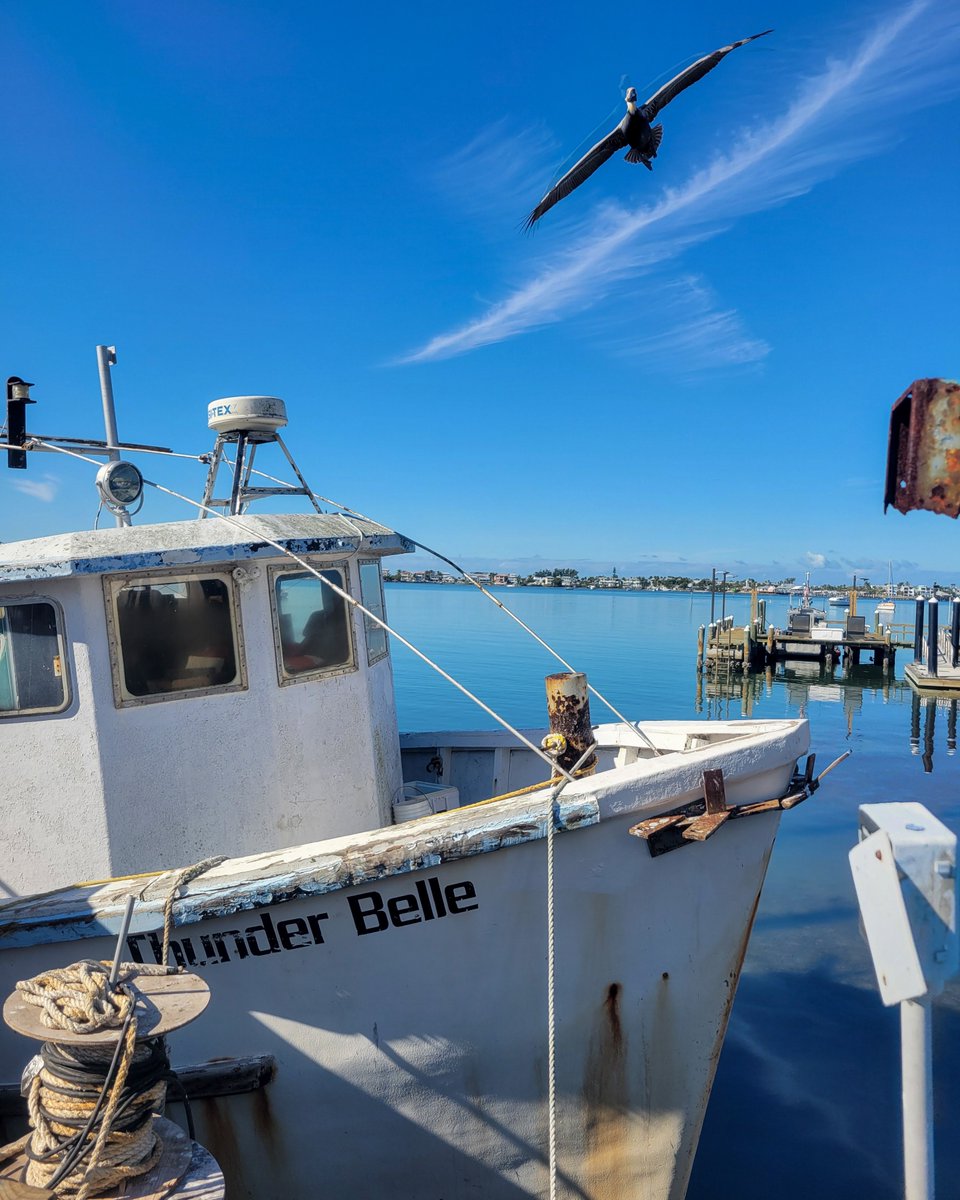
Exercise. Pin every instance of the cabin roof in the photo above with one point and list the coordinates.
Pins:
(191, 543)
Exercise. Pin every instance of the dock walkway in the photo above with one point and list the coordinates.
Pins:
(938, 671)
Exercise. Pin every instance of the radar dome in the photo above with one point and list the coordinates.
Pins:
(247, 414)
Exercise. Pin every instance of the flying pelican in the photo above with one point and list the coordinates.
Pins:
(634, 130)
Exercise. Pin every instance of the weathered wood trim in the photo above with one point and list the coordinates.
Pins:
(241, 884)
(201, 1081)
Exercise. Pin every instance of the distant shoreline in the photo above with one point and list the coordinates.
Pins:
(671, 584)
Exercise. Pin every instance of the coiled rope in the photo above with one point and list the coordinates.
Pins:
(92, 1107)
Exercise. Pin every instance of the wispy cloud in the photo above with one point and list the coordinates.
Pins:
(494, 174)
(848, 110)
(688, 326)
(38, 489)
(863, 568)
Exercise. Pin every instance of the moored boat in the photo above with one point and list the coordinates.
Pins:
(549, 961)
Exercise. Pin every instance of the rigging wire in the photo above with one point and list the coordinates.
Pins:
(346, 512)
(343, 510)
(259, 536)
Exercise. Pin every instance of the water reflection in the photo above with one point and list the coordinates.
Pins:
(728, 695)
(947, 705)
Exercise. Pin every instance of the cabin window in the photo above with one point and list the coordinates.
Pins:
(32, 676)
(174, 635)
(312, 625)
(371, 595)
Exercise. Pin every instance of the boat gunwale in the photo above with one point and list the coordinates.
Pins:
(274, 877)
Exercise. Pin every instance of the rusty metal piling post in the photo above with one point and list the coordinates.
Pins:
(568, 708)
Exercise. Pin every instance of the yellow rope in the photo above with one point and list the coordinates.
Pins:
(81, 998)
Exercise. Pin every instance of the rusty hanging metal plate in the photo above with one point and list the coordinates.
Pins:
(923, 457)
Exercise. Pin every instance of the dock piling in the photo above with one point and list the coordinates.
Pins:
(918, 632)
(933, 635)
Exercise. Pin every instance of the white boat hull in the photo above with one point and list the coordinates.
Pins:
(412, 1043)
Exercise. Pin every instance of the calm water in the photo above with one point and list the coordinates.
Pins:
(807, 1095)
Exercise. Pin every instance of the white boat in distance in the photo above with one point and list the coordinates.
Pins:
(210, 687)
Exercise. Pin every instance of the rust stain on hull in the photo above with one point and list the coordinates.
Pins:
(220, 1138)
(243, 1135)
(606, 1093)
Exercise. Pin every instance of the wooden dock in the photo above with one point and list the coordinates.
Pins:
(939, 672)
(757, 645)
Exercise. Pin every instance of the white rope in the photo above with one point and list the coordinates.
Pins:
(551, 975)
(551, 1010)
(257, 535)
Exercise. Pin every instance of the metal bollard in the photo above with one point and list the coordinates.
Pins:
(568, 707)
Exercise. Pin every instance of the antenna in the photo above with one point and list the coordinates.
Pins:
(247, 422)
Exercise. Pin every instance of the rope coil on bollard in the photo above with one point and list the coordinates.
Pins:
(93, 1106)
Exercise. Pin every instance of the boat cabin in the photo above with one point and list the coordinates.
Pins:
(173, 691)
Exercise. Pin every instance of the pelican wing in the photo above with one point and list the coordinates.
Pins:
(692, 73)
(595, 157)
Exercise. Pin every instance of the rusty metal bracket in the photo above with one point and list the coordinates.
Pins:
(923, 455)
(699, 820)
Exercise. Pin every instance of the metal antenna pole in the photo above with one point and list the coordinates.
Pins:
(106, 357)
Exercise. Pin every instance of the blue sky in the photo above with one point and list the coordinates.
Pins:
(684, 368)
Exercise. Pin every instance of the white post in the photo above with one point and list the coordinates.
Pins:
(916, 1054)
(905, 872)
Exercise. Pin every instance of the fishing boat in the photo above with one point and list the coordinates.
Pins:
(804, 617)
(529, 981)
(839, 600)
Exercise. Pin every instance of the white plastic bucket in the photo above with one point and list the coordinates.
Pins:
(410, 803)
(409, 810)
